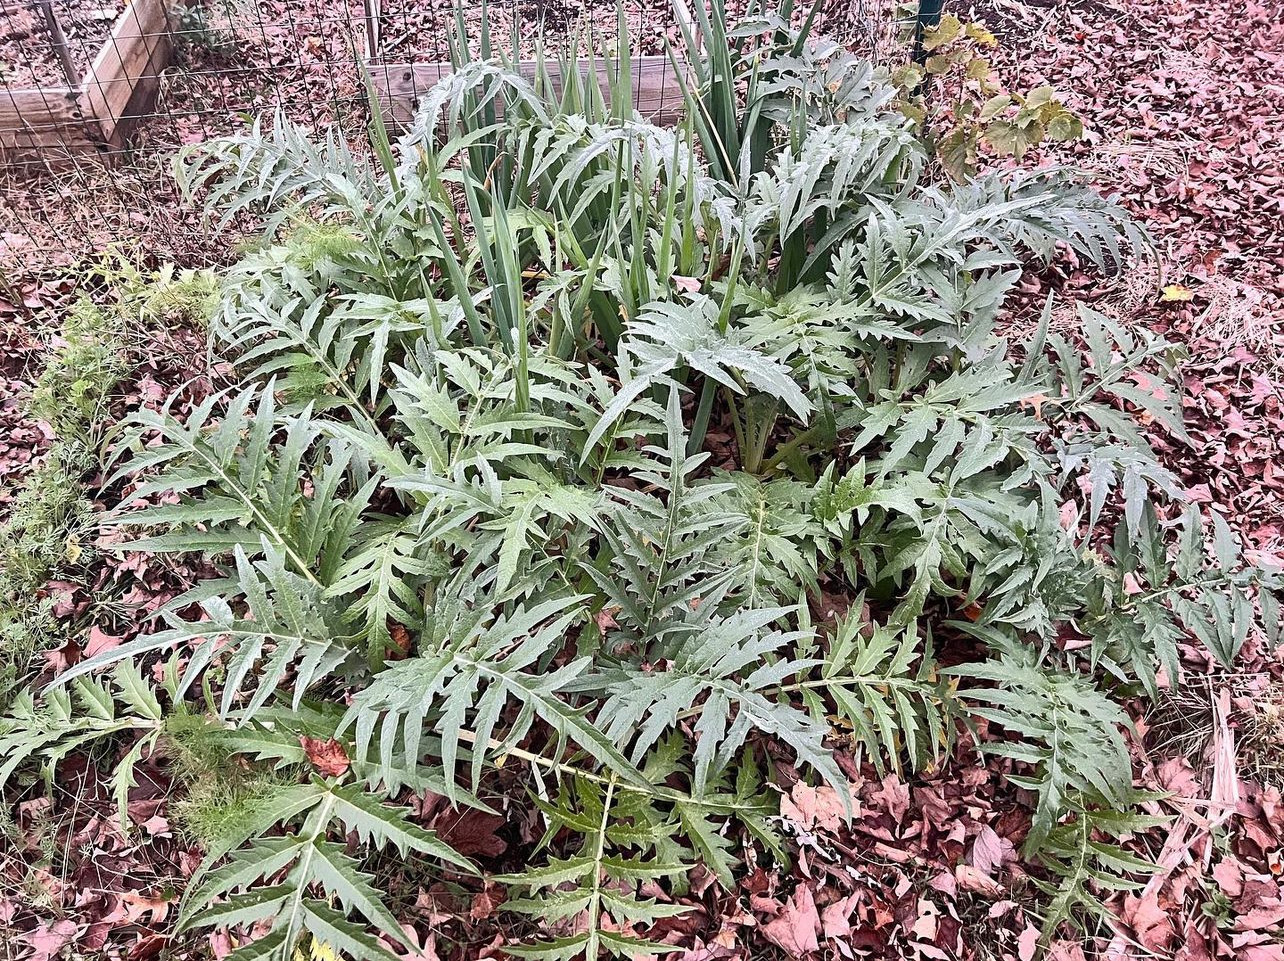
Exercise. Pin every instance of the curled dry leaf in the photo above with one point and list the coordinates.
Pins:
(971, 879)
(329, 757)
(815, 808)
(987, 850)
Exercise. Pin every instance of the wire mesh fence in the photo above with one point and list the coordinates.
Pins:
(96, 96)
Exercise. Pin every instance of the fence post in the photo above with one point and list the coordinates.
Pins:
(929, 15)
(372, 10)
(59, 40)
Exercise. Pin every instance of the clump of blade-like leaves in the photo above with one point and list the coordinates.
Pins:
(552, 428)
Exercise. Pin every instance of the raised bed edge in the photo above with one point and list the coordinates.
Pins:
(52, 125)
(399, 85)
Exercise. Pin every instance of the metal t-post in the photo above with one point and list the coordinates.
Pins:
(59, 43)
(929, 15)
(372, 10)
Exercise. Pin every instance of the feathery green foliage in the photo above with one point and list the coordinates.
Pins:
(47, 526)
(1086, 863)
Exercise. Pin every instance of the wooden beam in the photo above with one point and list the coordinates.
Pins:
(38, 108)
(143, 98)
(657, 90)
(37, 123)
(133, 56)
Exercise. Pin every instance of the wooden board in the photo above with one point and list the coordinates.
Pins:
(132, 58)
(146, 90)
(39, 123)
(38, 108)
(657, 91)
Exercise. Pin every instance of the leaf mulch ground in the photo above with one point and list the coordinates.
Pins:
(1185, 108)
(412, 29)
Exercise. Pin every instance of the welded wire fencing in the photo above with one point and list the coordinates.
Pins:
(96, 96)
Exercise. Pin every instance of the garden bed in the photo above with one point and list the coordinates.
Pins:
(410, 52)
(29, 55)
(417, 31)
(44, 118)
(932, 862)
(410, 49)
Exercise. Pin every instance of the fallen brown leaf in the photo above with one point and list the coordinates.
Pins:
(328, 757)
